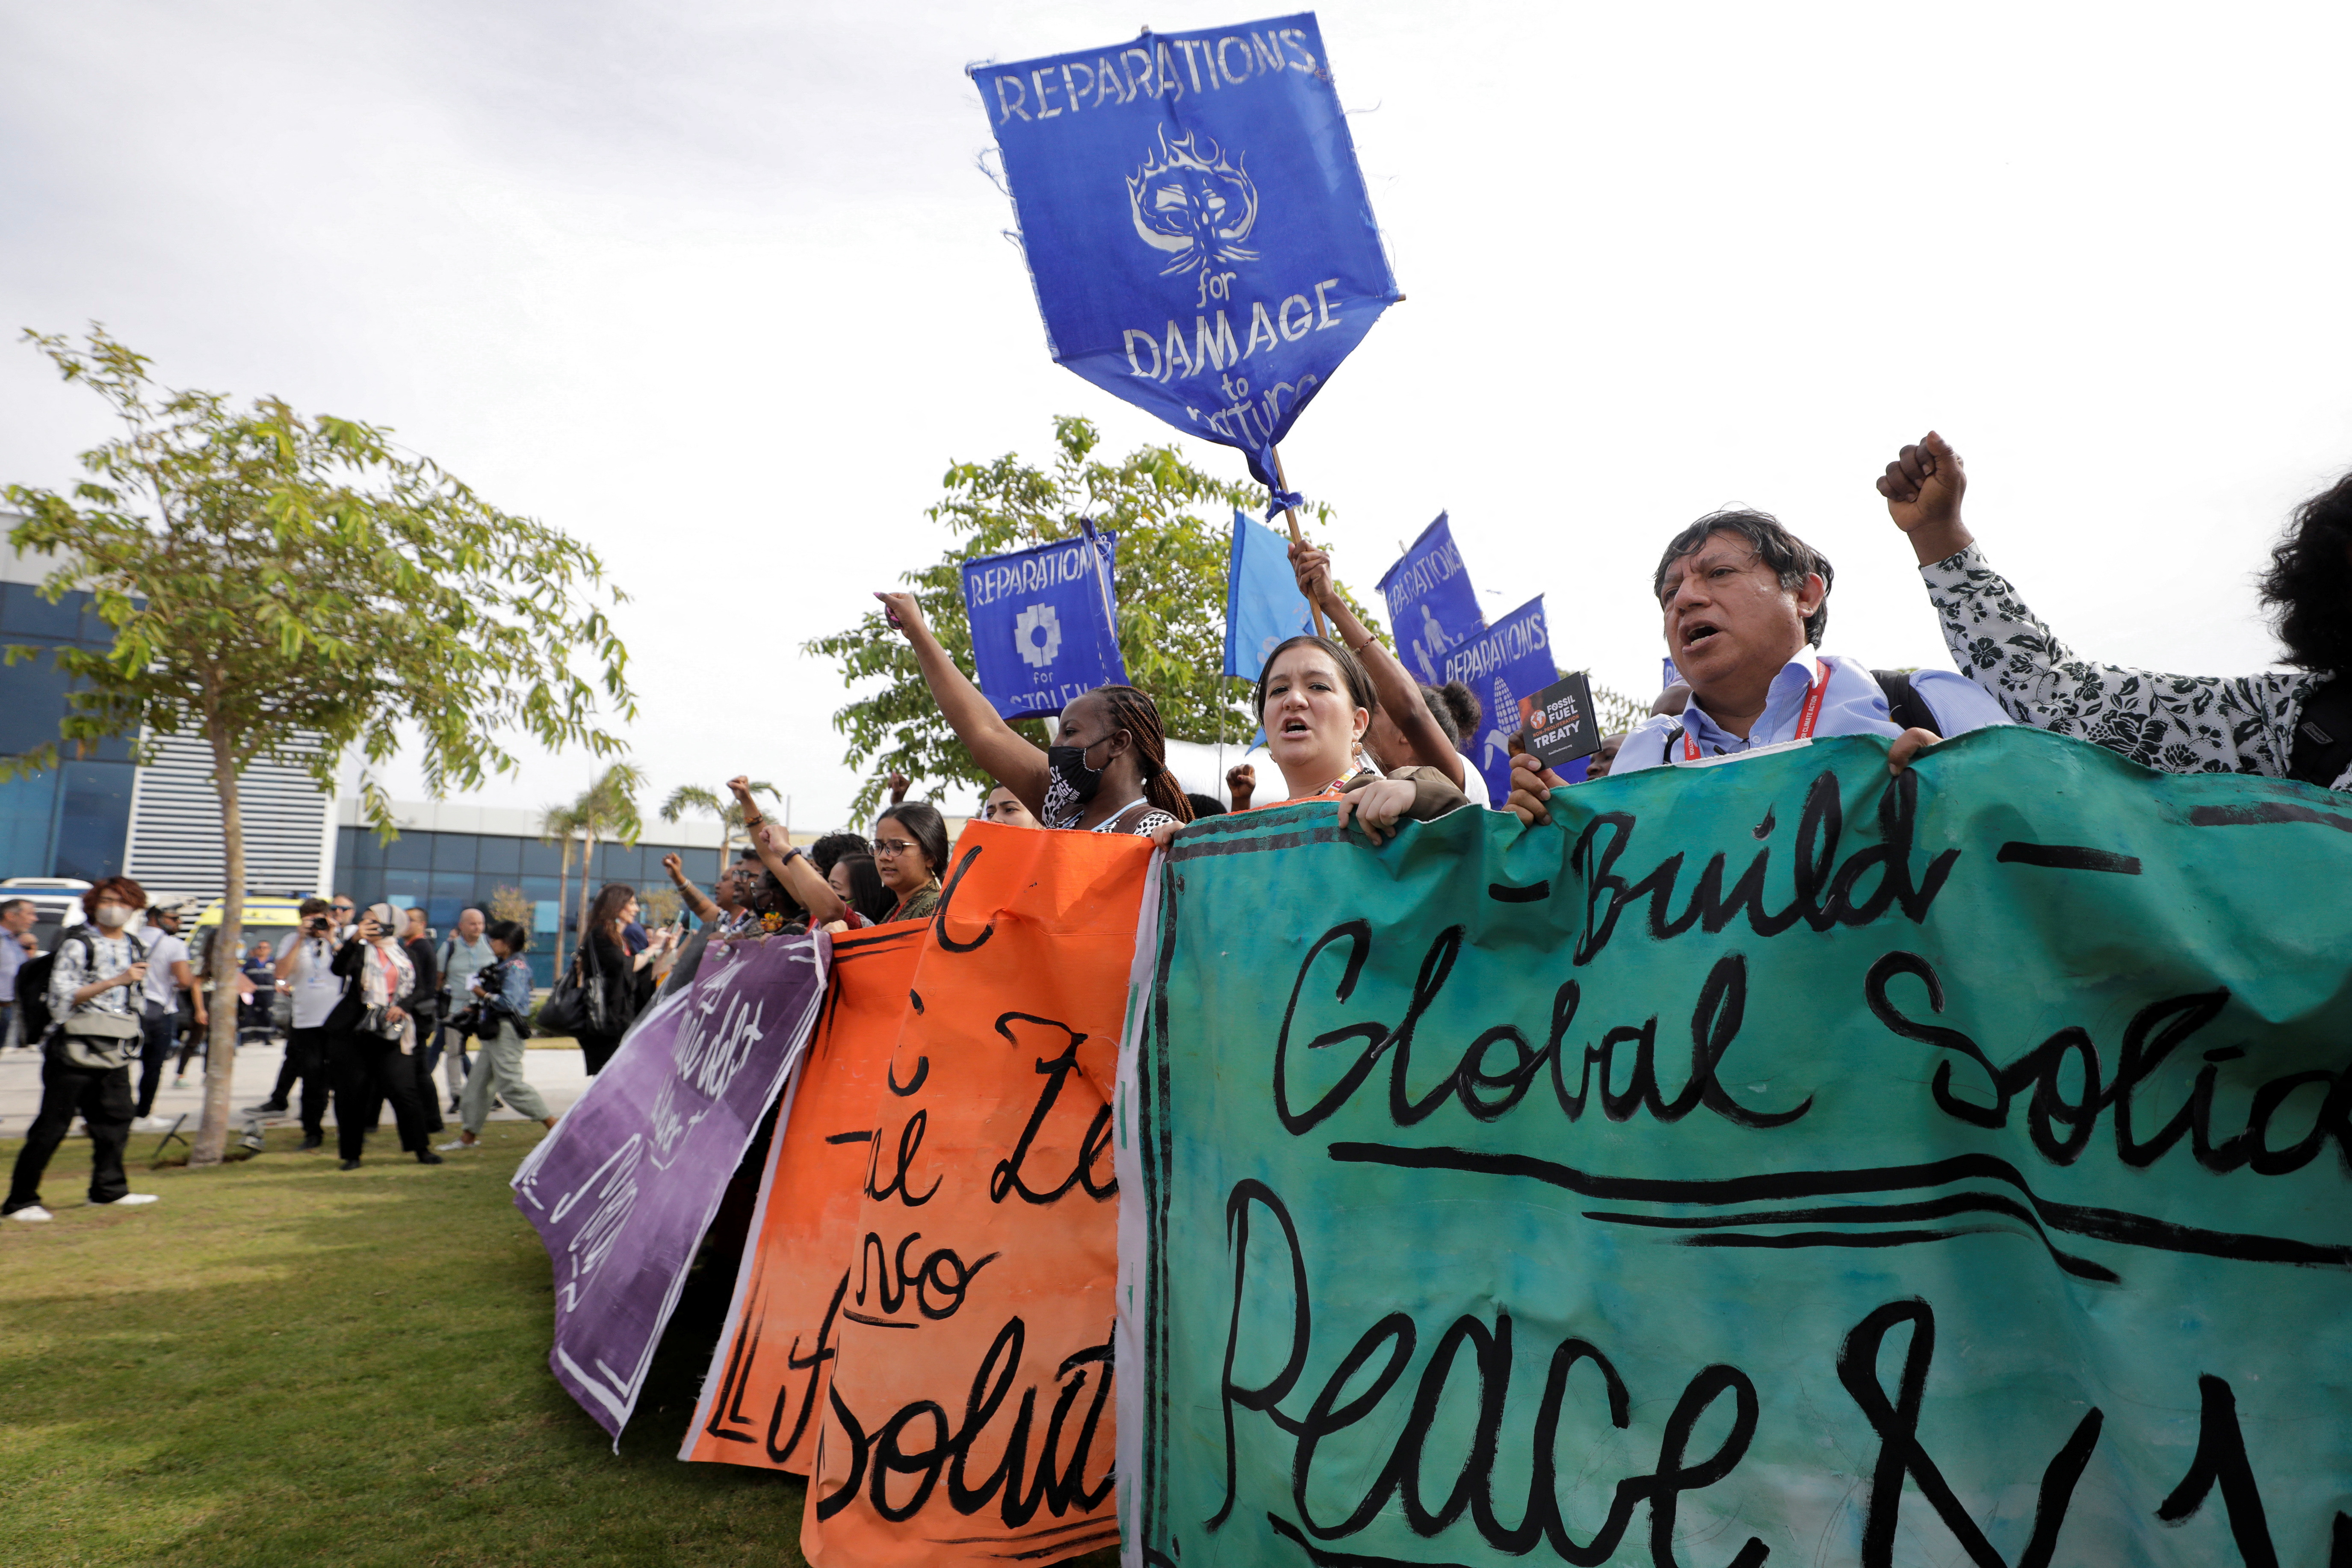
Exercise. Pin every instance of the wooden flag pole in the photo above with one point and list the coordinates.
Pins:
(1295, 537)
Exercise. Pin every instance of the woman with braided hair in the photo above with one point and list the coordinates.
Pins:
(1107, 771)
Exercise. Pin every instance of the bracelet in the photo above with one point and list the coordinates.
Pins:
(755, 822)
(1361, 646)
(791, 852)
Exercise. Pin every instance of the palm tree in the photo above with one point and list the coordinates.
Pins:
(694, 797)
(607, 808)
(560, 824)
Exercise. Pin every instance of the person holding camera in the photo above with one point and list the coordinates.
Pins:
(97, 982)
(498, 1019)
(306, 968)
(371, 1039)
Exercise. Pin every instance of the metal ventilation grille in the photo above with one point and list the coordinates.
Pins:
(175, 825)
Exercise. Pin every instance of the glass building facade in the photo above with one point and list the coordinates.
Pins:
(443, 873)
(72, 820)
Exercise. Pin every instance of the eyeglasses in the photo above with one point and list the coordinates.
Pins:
(343, 908)
(891, 849)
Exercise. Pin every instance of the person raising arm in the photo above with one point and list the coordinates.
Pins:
(705, 912)
(1107, 771)
(1404, 732)
(788, 863)
(1316, 701)
(2293, 723)
(1744, 604)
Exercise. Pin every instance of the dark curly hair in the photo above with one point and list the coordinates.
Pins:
(1791, 558)
(2309, 585)
(1453, 707)
(833, 847)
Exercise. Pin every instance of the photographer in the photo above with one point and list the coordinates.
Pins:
(502, 993)
(96, 985)
(425, 1012)
(306, 970)
(370, 1039)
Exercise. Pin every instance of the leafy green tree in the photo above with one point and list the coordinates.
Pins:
(270, 577)
(607, 808)
(559, 825)
(1174, 529)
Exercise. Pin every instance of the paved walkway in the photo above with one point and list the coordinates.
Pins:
(558, 1072)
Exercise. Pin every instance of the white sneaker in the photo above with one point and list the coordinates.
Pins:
(456, 1143)
(131, 1200)
(33, 1214)
(156, 1123)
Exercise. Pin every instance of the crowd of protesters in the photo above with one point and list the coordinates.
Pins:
(373, 1004)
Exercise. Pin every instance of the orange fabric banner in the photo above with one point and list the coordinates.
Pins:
(924, 1325)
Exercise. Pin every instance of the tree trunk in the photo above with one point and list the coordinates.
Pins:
(220, 962)
(587, 870)
(562, 897)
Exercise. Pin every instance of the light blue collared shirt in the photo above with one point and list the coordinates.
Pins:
(1853, 705)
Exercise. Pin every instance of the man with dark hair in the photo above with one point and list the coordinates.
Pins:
(17, 917)
(306, 968)
(171, 993)
(2295, 723)
(1745, 604)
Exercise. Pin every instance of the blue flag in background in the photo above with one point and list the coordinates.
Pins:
(1195, 221)
(1433, 609)
(1510, 660)
(1043, 629)
(1263, 603)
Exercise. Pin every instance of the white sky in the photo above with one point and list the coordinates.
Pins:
(719, 289)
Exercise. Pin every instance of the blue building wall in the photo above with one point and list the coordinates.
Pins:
(72, 820)
(443, 873)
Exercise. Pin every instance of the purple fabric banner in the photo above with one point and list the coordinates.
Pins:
(624, 1188)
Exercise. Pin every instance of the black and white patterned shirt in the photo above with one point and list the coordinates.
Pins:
(103, 958)
(2174, 723)
(1063, 809)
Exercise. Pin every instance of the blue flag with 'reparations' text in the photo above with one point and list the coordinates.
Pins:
(1195, 221)
(1044, 631)
(1508, 660)
(1433, 609)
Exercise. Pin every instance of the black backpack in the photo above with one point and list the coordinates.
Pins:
(33, 983)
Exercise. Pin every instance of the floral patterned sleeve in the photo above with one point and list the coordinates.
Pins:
(2174, 723)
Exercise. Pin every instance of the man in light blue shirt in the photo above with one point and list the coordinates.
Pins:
(1745, 604)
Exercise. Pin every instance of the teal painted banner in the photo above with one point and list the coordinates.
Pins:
(1768, 1161)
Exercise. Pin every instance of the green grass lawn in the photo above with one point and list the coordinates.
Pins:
(285, 1364)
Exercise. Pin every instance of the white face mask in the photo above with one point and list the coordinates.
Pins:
(112, 915)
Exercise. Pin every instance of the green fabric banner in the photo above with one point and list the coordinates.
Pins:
(1766, 1161)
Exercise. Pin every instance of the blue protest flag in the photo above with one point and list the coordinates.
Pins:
(1263, 603)
(1043, 629)
(1433, 609)
(1195, 224)
(1510, 660)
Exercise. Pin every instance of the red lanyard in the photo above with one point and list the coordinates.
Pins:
(1807, 716)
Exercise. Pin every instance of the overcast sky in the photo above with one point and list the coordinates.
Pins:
(719, 289)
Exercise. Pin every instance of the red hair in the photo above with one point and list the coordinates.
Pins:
(124, 889)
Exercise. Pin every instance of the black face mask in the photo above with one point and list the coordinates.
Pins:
(1068, 765)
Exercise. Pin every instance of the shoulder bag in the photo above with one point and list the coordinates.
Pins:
(100, 1041)
(577, 1004)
